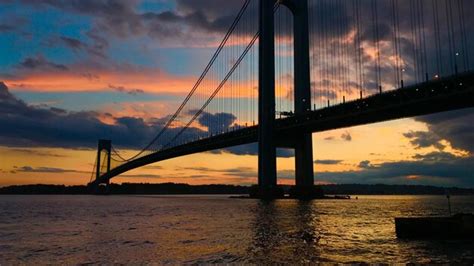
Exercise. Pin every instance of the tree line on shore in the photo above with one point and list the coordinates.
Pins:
(176, 189)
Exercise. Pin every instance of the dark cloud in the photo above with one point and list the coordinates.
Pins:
(23, 125)
(12, 22)
(94, 44)
(346, 136)
(40, 62)
(436, 156)
(445, 172)
(117, 15)
(73, 43)
(90, 76)
(4, 93)
(219, 122)
(200, 20)
(457, 127)
(31, 152)
(244, 172)
(212, 8)
(331, 19)
(321, 93)
(424, 139)
(7, 28)
(151, 176)
(99, 44)
(236, 172)
(328, 162)
(52, 170)
(125, 90)
(121, 17)
(365, 164)
(160, 25)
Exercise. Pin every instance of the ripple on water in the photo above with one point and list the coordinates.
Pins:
(175, 230)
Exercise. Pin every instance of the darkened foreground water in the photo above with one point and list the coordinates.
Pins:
(215, 229)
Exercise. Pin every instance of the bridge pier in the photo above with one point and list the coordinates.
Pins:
(102, 187)
(267, 168)
(267, 172)
(303, 142)
(304, 176)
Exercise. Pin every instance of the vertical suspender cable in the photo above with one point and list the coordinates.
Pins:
(413, 39)
(395, 46)
(437, 37)
(462, 27)
(425, 56)
(359, 48)
(450, 35)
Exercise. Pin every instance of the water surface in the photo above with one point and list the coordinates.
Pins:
(216, 229)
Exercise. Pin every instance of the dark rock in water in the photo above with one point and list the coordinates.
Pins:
(314, 192)
(269, 193)
(459, 226)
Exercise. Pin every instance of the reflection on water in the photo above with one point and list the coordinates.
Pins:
(216, 229)
(283, 230)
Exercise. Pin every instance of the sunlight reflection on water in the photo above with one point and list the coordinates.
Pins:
(216, 229)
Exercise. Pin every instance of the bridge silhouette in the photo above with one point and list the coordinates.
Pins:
(287, 69)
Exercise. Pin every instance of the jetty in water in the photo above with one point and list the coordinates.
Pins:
(459, 226)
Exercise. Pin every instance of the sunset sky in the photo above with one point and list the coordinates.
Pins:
(74, 71)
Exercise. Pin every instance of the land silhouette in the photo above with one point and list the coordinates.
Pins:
(177, 189)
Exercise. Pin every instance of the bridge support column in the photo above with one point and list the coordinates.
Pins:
(304, 166)
(303, 142)
(267, 172)
(103, 145)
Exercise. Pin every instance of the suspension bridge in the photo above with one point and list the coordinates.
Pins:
(287, 69)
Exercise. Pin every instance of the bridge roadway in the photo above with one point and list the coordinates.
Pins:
(451, 93)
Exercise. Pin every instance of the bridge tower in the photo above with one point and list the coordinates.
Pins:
(103, 145)
(302, 141)
(267, 174)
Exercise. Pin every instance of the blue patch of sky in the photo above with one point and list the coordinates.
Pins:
(184, 61)
(12, 43)
(156, 6)
(52, 24)
(132, 51)
(86, 101)
(76, 27)
(145, 51)
(42, 26)
(9, 53)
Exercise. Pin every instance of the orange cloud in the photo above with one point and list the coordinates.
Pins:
(148, 80)
(145, 110)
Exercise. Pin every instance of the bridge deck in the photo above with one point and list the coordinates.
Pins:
(435, 96)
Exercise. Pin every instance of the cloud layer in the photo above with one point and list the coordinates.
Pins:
(23, 125)
(441, 169)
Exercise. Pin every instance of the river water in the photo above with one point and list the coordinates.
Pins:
(217, 229)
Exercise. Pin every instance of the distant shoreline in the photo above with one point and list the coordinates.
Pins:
(185, 189)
